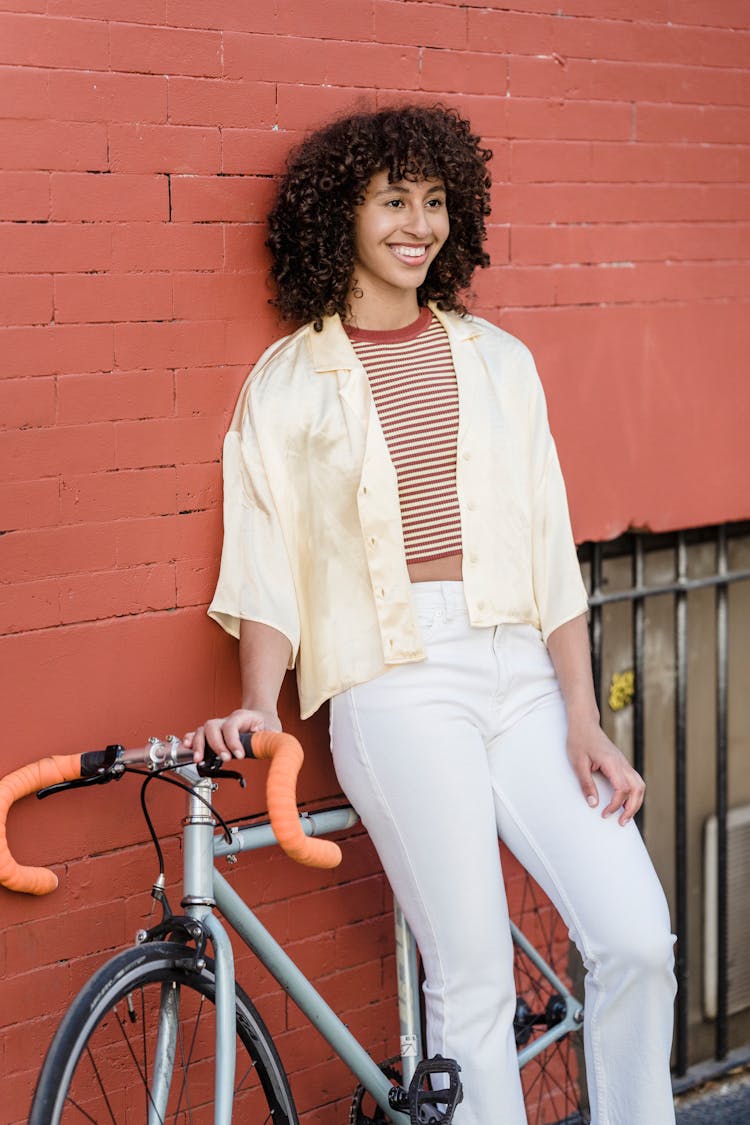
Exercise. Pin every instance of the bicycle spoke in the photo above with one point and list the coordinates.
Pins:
(98, 1077)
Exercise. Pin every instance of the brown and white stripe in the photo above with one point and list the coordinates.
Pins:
(413, 383)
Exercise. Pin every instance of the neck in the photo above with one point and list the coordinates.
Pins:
(383, 313)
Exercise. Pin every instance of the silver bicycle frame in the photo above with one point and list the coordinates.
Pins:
(205, 888)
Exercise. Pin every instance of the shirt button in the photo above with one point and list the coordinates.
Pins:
(473, 558)
(466, 455)
(480, 605)
(471, 506)
(372, 540)
(380, 592)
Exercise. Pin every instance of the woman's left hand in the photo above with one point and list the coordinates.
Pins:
(590, 751)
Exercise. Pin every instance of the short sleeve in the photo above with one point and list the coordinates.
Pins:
(559, 590)
(255, 579)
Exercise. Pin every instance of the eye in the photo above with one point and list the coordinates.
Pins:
(435, 203)
(394, 202)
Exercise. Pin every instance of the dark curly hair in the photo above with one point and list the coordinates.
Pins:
(311, 225)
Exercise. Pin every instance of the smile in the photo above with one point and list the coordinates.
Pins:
(410, 255)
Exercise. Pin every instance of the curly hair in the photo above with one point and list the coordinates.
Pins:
(311, 225)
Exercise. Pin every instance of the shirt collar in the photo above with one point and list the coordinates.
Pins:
(332, 349)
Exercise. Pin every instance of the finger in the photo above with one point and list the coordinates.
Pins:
(582, 770)
(632, 804)
(215, 738)
(187, 739)
(231, 732)
(198, 743)
(618, 799)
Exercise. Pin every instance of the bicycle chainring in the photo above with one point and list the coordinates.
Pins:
(364, 1110)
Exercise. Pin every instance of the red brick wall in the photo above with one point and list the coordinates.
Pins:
(137, 145)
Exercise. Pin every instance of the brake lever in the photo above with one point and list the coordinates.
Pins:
(112, 774)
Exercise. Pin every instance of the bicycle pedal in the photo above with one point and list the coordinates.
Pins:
(435, 1106)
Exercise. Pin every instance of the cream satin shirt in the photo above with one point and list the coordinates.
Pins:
(313, 544)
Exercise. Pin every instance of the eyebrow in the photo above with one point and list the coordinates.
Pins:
(405, 191)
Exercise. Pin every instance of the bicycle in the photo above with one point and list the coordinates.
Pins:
(163, 1033)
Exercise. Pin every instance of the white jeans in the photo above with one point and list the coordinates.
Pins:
(441, 757)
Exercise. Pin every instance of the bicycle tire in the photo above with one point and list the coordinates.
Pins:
(554, 1081)
(98, 1065)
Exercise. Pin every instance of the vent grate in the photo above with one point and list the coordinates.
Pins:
(738, 905)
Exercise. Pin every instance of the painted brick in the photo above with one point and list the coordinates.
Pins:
(44, 247)
(540, 203)
(92, 596)
(195, 581)
(703, 124)
(118, 495)
(36, 40)
(25, 300)
(213, 199)
(107, 97)
(25, 606)
(134, 11)
(629, 242)
(169, 344)
(556, 76)
(40, 452)
(88, 298)
(165, 50)
(581, 161)
(224, 15)
(304, 107)
(264, 153)
(114, 396)
(468, 72)
(24, 196)
(169, 441)
(53, 145)
(27, 402)
(329, 63)
(165, 246)
(108, 197)
(245, 247)
(29, 503)
(52, 349)
(198, 487)
(213, 295)
(211, 390)
(240, 103)
(27, 90)
(426, 25)
(325, 19)
(164, 148)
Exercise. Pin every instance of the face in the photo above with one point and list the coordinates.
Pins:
(399, 230)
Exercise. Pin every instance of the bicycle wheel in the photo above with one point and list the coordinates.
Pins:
(100, 1064)
(554, 1081)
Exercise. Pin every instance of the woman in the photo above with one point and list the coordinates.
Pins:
(396, 525)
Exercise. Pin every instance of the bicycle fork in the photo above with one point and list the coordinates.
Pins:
(198, 903)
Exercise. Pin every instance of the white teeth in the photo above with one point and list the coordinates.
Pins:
(410, 251)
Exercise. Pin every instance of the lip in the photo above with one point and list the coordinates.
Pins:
(409, 259)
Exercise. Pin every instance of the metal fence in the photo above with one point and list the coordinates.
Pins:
(633, 572)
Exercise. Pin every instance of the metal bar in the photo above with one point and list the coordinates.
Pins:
(261, 835)
(408, 996)
(595, 626)
(226, 1050)
(296, 984)
(722, 800)
(598, 599)
(680, 785)
(638, 622)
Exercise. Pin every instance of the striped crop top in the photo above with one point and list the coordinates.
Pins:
(413, 383)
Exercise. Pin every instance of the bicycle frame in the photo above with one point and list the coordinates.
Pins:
(205, 888)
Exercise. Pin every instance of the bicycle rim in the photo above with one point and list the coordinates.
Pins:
(554, 1082)
(100, 1065)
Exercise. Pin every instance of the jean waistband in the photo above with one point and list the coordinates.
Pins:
(447, 598)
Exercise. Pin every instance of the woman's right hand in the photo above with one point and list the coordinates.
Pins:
(223, 735)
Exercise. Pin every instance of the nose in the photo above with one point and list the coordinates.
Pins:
(417, 223)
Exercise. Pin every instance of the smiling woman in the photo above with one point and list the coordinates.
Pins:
(399, 230)
(396, 525)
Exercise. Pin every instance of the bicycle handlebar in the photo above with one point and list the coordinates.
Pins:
(283, 750)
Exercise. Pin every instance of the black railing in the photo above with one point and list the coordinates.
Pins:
(598, 560)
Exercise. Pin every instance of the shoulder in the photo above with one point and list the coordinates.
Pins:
(278, 366)
(504, 354)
